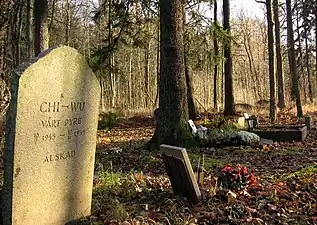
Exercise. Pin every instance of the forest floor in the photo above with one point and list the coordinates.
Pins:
(131, 185)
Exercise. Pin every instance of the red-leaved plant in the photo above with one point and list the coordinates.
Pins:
(236, 178)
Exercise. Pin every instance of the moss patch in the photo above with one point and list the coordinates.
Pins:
(187, 140)
(305, 171)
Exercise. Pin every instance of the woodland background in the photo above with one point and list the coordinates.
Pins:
(120, 39)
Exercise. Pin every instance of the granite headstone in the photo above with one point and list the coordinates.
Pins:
(50, 140)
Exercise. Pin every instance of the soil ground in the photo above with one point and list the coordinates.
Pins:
(140, 192)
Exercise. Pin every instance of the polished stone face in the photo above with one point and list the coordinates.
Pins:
(51, 140)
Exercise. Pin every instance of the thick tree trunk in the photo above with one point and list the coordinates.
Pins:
(172, 127)
(41, 35)
(216, 55)
(229, 99)
(291, 58)
(271, 59)
(279, 62)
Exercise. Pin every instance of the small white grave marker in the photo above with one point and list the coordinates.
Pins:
(192, 125)
(246, 115)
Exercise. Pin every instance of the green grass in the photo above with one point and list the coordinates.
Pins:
(305, 171)
(209, 163)
(109, 194)
(110, 179)
(287, 151)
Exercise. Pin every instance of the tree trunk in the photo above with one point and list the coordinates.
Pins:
(113, 82)
(316, 40)
(222, 92)
(18, 35)
(147, 73)
(41, 35)
(216, 55)
(172, 127)
(102, 95)
(300, 60)
(130, 79)
(192, 110)
(310, 92)
(111, 57)
(271, 59)
(29, 50)
(67, 22)
(291, 58)
(254, 76)
(229, 99)
(157, 66)
(52, 16)
(279, 62)
(193, 113)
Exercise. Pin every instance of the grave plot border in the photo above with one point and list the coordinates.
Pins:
(287, 134)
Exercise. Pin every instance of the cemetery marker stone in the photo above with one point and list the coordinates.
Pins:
(180, 172)
(193, 127)
(308, 122)
(51, 140)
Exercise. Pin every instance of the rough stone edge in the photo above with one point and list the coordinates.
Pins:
(6, 217)
(23, 66)
(8, 150)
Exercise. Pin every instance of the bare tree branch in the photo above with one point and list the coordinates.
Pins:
(258, 1)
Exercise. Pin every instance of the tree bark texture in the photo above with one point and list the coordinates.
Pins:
(172, 127)
(16, 33)
(306, 24)
(291, 58)
(279, 61)
(147, 73)
(299, 62)
(67, 22)
(29, 50)
(216, 55)
(41, 35)
(271, 59)
(192, 110)
(316, 40)
(229, 99)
